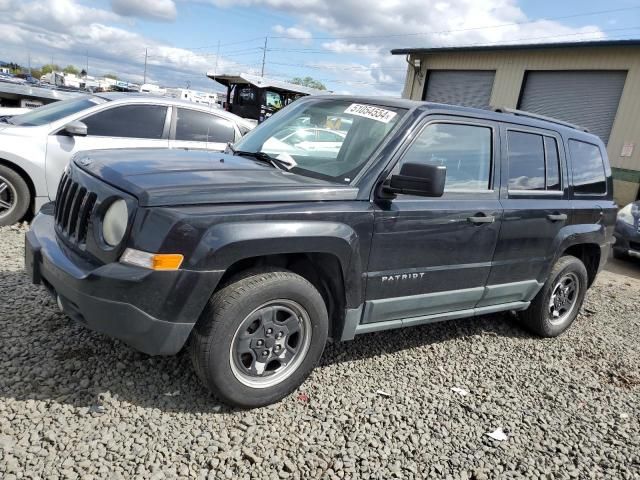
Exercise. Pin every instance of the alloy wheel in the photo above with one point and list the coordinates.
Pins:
(564, 298)
(8, 197)
(270, 343)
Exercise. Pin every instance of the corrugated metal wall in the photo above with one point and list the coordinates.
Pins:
(586, 98)
(471, 88)
(510, 67)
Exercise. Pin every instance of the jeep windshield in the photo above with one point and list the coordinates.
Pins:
(325, 138)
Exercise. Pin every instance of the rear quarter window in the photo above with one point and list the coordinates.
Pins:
(589, 177)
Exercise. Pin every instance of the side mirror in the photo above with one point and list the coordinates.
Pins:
(418, 179)
(75, 129)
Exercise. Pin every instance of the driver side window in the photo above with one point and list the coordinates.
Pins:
(464, 149)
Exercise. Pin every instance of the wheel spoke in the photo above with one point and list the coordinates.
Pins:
(292, 324)
(287, 354)
(243, 344)
(267, 316)
(4, 204)
(3, 187)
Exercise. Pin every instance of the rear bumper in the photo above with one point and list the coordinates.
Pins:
(154, 312)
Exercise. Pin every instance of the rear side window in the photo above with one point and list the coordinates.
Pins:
(128, 121)
(464, 149)
(195, 126)
(534, 163)
(589, 177)
(553, 163)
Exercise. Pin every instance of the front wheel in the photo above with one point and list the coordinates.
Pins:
(14, 196)
(557, 304)
(259, 338)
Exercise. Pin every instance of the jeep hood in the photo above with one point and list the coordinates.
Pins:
(161, 177)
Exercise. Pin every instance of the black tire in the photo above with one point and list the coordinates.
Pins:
(620, 254)
(14, 196)
(538, 317)
(213, 337)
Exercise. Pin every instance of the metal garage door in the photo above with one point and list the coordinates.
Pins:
(587, 98)
(471, 88)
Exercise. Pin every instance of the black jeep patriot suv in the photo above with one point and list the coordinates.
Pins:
(337, 217)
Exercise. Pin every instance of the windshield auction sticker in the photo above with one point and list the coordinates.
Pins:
(371, 112)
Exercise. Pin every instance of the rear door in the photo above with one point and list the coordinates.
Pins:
(536, 205)
(197, 129)
(430, 256)
(118, 126)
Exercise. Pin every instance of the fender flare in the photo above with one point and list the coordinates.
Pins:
(227, 243)
(581, 234)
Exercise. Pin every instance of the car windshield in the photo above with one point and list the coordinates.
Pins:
(323, 138)
(56, 111)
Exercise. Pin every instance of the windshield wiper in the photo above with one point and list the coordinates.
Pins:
(263, 157)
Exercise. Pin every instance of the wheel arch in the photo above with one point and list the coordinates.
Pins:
(322, 270)
(587, 242)
(590, 255)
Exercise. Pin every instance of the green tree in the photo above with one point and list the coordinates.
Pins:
(112, 76)
(308, 82)
(36, 73)
(70, 69)
(50, 67)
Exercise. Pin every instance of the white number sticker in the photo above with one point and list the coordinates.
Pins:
(371, 112)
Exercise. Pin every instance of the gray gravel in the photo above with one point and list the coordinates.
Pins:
(76, 404)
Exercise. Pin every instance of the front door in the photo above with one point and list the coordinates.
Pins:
(536, 207)
(432, 256)
(124, 126)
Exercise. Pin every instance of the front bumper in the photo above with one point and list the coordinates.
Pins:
(627, 239)
(153, 312)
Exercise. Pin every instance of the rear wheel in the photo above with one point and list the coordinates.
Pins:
(557, 304)
(259, 338)
(14, 196)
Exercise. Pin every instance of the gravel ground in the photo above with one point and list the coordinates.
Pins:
(75, 404)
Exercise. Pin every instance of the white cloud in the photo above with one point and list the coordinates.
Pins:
(163, 10)
(293, 33)
(54, 15)
(360, 28)
(65, 30)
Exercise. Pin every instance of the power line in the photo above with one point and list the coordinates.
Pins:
(500, 42)
(600, 12)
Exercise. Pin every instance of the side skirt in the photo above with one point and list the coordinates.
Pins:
(353, 327)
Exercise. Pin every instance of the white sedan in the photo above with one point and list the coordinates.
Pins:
(36, 147)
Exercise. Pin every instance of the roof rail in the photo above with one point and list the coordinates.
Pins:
(522, 113)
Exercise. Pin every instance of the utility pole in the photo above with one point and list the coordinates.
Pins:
(215, 69)
(264, 55)
(87, 69)
(29, 63)
(145, 66)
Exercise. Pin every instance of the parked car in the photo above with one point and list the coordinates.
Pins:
(36, 147)
(298, 140)
(427, 213)
(627, 232)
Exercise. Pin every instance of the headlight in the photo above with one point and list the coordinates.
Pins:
(114, 223)
(628, 213)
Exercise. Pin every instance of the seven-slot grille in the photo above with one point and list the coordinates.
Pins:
(74, 205)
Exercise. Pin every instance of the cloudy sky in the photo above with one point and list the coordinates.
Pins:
(345, 43)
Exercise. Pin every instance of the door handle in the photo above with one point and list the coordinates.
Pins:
(557, 217)
(481, 218)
